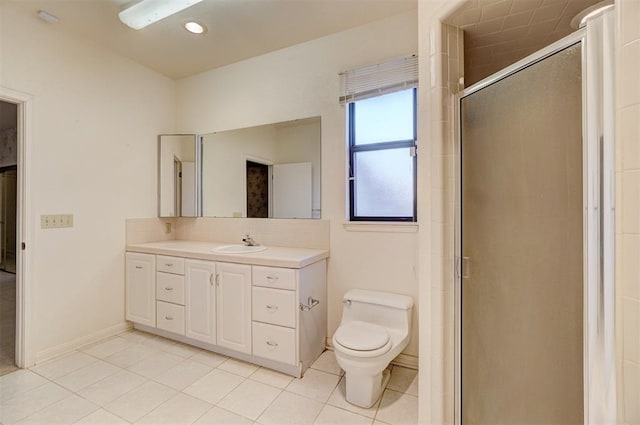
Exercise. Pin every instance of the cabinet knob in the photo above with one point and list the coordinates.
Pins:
(272, 278)
(168, 288)
(169, 264)
(139, 267)
(168, 317)
(272, 308)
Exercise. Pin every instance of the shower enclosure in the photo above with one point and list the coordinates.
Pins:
(535, 289)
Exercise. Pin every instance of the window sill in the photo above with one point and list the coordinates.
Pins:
(380, 227)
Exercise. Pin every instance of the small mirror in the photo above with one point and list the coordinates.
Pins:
(177, 175)
(268, 171)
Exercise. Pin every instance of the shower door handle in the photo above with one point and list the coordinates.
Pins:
(465, 268)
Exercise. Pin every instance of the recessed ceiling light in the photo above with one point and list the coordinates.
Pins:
(195, 28)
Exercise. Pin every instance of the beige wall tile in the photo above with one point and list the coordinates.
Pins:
(630, 256)
(141, 230)
(629, 28)
(631, 324)
(631, 202)
(631, 373)
(630, 136)
(629, 71)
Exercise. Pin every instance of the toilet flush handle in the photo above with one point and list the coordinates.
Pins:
(347, 302)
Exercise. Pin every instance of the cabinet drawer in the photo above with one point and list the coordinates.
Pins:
(275, 306)
(170, 317)
(274, 277)
(170, 264)
(170, 288)
(274, 342)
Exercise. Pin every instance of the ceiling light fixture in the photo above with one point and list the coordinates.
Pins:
(195, 28)
(146, 12)
(581, 18)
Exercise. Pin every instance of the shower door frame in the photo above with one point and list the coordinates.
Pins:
(595, 230)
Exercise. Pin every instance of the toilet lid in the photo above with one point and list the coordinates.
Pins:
(361, 336)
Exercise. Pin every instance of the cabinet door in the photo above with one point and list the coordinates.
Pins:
(200, 300)
(234, 306)
(141, 288)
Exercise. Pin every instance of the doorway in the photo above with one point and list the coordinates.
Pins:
(8, 203)
(257, 190)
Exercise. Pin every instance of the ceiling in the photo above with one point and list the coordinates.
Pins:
(498, 33)
(237, 29)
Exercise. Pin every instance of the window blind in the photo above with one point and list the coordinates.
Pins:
(376, 80)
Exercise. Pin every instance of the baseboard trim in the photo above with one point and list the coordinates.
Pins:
(404, 360)
(67, 347)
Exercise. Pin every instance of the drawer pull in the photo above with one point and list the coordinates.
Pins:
(139, 267)
(168, 288)
(168, 317)
(272, 345)
(272, 279)
(309, 305)
(272, 308)
(169, 264)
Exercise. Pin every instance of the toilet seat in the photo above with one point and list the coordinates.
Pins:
(362, 339)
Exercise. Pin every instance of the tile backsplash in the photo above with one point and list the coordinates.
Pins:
(296, 233)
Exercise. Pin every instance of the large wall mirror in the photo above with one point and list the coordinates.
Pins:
(268, 171)
(177, 175)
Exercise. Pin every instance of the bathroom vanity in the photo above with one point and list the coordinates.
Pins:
(267, 307)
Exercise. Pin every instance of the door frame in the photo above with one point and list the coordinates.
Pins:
(594, 236)
(24, 353)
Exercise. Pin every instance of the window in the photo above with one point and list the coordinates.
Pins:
(382, 157)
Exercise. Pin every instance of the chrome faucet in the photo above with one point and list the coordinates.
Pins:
(248, 241)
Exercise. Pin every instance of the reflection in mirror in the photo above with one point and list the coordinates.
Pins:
(177, 176)
(265, 171)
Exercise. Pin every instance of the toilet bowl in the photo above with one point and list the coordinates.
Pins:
(374, 329)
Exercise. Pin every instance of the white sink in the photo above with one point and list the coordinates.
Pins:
(238, 249)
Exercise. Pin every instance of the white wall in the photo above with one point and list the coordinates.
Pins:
(96, 117)
(299, 82)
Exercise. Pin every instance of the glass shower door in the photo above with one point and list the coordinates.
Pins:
(522, 231)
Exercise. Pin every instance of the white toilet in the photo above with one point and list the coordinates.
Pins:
(375, 328)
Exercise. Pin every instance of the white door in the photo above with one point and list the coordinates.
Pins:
(141, 288)
(234, 306)
(292, 190)
(200, 300)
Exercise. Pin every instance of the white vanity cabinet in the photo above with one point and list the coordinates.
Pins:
(140, 288)
(170, 294)
(271, 315)
(200, 288)
(233, 306)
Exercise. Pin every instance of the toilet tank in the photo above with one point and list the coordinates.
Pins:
(381, 308)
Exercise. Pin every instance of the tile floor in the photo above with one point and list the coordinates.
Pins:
(139, 378)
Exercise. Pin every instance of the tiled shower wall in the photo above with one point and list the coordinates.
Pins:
(628, 211)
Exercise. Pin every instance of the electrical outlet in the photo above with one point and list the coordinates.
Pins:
(52, 221)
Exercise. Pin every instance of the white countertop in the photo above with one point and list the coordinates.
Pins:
(275, 256)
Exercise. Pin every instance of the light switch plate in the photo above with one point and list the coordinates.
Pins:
(52, 221)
